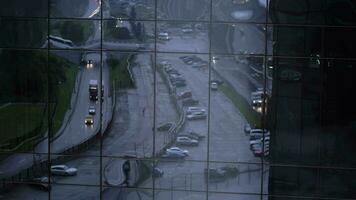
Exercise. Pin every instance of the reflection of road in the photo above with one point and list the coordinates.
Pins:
(130, 134)
(228, 142)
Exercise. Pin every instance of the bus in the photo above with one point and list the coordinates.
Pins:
(61, 40)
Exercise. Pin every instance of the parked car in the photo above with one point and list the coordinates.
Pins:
(190, 102)
(188, 135)
(179, 83)
(187, 30)
(179, 155)
(259, 150)
(196, 115)
(177, 149)
(247, 128)
(91, 110)
(258, 134)
(216, 174)
(89, 120)
(198, 135)
(63, 170)
(260, 141)
(157, 172)
(163, 36)
(164, 126)
(185, 94)
(194, 109)
(186, 141)
(42, 183)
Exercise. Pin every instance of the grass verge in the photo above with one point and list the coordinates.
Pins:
(19, 119)
(64, 97)
(242, 105)
(119, 72)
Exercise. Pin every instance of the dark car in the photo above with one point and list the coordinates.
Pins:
(157, 172)
(190, 102)
(197, 135)
(219, 174)
(42, 183)
(164, 126)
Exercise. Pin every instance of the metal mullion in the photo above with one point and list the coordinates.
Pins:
(100, 101)
(154, 99)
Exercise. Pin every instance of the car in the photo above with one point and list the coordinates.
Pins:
(197, 135)
(163, 36)
(187, 30)
(63, 170)
(90, 64)
(190, 102)
(214, 86)
(164, 126)
(175, 77)
(199, 65)
(179, 83)
(177, 149)
(247, 128)
(89, 120)
(259, 151)
(185, 94)
(196, 115)
(169, 154)
(192, 109)
(157, 172)
(258, 134)
(188, 135)
(42, 182)
(215, 174)
(186, 141)
(91, 110)
(217, 81)
(260, 141)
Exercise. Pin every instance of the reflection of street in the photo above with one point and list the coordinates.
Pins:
(225, 144)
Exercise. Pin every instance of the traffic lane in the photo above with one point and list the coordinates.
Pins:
(139, 128)
(76, 131)
(239, 75)
(228, 141)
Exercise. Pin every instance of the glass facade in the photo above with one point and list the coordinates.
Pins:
(311, 124)
(177, 99)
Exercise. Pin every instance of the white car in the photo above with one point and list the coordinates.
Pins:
(91, 110)
(186, 141)
(177, 150)
(187, 30)
(196, 115)
(63, 170)
(191, 110)
(214, 86)
(163, 36)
